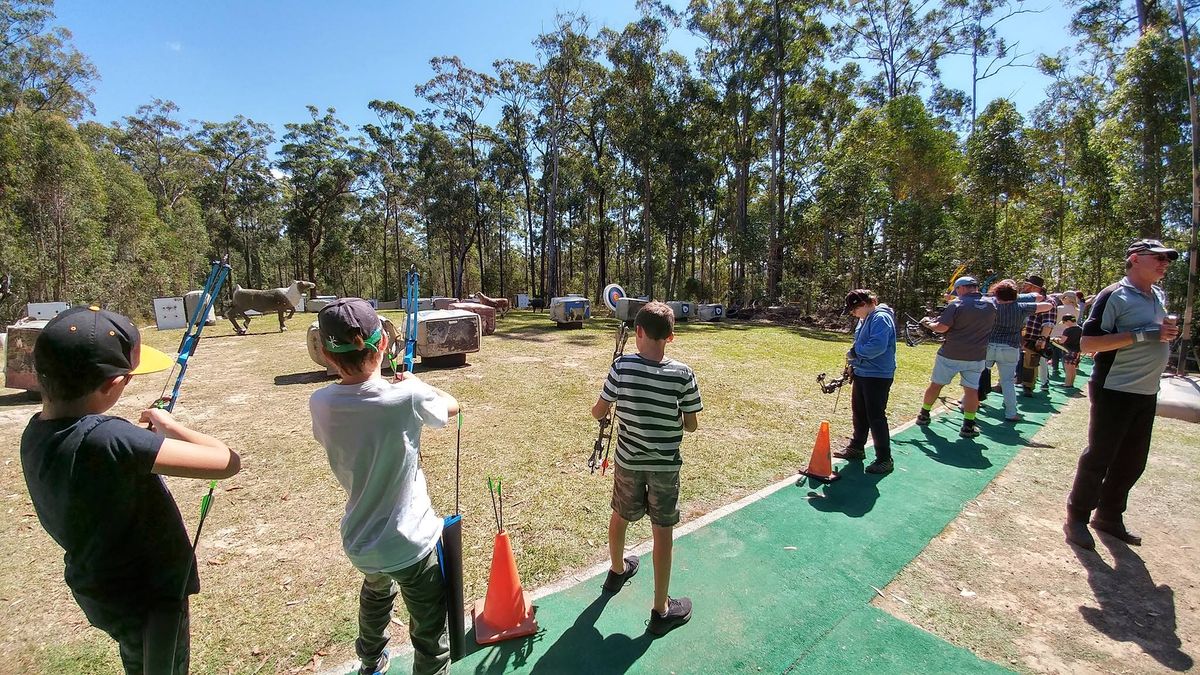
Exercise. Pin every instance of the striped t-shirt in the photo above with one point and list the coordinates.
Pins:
(650, 397)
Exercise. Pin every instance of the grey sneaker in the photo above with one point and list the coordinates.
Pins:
(850, 452)
(679, 612)
(380, 667)
(615, 582)
(923, 417)
(880, 466)
(969, 429)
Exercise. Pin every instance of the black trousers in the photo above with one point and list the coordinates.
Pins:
(1115, 457)
(868, 403)
(151, 640)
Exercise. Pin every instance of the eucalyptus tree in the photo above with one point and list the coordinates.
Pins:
(998, 172)
(989, 51)
(642, 71)
(902, 40)
(444, 186)
(323, 168)
(237, 191)
(390, 158)
(460, 95)
(732, 61)
(51, 226)
(40, 70)
(161, 149)
(516, 89)
(1144, 131)
(560, 83)
(921, 169)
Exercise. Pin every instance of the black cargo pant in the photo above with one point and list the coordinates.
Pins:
(1115, 457)
(868, 404)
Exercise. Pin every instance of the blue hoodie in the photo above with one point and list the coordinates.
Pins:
(874, 352)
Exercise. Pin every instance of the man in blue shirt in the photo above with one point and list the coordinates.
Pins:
(1129, 331)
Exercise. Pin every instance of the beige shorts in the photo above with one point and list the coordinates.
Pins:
(636, 493)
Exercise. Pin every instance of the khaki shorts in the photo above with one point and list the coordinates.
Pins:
(636, 493)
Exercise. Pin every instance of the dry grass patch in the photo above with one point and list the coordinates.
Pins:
(1002, 582)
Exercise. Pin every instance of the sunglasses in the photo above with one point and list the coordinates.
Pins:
(1160, 257)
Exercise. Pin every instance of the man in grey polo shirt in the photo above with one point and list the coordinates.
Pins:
(1128, 330)
(967, 323)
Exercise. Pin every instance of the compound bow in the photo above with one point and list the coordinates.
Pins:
(603, 445)
(916, 332)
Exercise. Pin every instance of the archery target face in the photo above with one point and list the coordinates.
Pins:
(613, 293)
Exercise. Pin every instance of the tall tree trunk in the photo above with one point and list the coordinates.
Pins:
(647, 235)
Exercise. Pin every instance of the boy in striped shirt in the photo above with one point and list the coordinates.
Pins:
(657, 400)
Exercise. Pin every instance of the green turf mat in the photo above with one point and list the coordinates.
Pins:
(760, 606)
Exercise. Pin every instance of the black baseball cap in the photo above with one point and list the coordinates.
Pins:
(87, 341)
(345, 319)
(1151, 246)
(855, 299)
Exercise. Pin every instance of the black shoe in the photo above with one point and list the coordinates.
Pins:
(923, 417)
(969, 429)
(615, 582)
(850, 452)
(380, 667)
(1027, 391)
(1117, 529)
(880, 466)
(679, 612)
(1078, 534)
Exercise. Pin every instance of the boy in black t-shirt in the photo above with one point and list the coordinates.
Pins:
(1070, 339)
(95, 483)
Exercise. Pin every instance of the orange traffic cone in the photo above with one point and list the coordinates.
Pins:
(506, 612)
(820, 467)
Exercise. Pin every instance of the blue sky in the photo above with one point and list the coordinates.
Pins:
(268, 59)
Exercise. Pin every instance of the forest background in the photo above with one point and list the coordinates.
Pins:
(804, 149)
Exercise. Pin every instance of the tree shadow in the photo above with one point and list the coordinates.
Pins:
(20, 398)
(854, 493)
(1132, 607)
(220, 336)
(582, 648)
(965, 453)
(312, 377)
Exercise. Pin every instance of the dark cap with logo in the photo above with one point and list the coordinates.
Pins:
(345, 319)
(1151, 246)
(89, 341)
(857, 298)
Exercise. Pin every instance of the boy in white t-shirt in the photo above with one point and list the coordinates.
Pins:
(371, 431)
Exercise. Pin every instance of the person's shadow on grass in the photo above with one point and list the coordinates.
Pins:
(583, 649)
(1132, 607)
(966, 453)
(854, 493)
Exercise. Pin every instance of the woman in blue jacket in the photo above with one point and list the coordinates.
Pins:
(873, 358)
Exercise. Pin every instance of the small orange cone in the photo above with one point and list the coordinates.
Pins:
(820, 467)
(506, 612)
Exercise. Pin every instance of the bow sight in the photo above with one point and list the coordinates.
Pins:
(830, 386)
